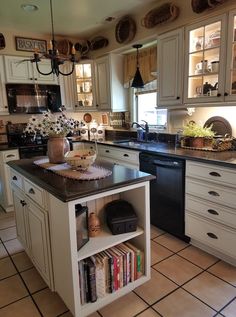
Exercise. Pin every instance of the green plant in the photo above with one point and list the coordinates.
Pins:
(195, 130)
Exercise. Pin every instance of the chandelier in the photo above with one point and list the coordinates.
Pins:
(54, 56)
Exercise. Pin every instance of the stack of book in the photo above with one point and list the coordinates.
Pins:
(109, 270)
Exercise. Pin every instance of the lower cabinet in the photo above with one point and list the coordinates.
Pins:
(210, 217)
(32, 226)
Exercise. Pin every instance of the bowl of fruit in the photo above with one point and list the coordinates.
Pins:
(80, 159)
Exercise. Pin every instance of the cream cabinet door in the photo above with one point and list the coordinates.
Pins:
(45, 67)
(37, 220)
(3, 96)
(103, 98)
(170, 68)
(18, 70)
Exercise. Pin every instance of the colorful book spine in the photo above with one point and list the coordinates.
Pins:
(91, 275)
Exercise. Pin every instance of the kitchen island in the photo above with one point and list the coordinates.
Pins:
(45, 205)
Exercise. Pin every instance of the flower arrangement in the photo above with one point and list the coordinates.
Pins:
(51, 124)
(195, 130)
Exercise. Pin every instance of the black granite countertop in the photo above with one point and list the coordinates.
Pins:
(225, 158)
(6, 147)
(67, 189)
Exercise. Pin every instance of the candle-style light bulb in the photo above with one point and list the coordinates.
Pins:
(50, 45)
(73, 50)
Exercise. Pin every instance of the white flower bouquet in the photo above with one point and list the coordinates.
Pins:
(51, 124)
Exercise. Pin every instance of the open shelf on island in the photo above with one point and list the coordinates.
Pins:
(104, 241)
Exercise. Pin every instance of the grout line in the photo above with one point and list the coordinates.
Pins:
(4, 278)
(220, 278)
(15, 301)
(141, 298)
(226, 305)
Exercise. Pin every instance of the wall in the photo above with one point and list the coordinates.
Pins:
(179, 118)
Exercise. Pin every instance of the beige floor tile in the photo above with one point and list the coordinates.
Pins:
(157, 287)
(22, 261)
(33, 280)
(182, 304)
(211, 290)
(3, 252)
(177, 269)
(170, 242)
(126, 306)
(7, 222)
(225, 271)
(198, 257)
(68, 314)
(6, 268)
(230, 310)
(23, 308)
(149, 313)
(94, 315)
(49, 303)
(155, 232)
(8, 234)
(11, 289)
(13, 246)
(158, 252)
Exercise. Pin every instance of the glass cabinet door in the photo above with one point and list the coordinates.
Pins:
(204, 70)
(230, 91)
(84, 85)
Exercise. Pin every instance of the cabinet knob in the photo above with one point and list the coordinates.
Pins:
(213, 193)
(97, 106)
(36, 79)
(14, 178)
(31, 191)
(212, 235)
(31, 78)
(218, 95)
(215, 174)
(23, 203)
(107, 151)
(212, 212)
(6, 107)
(178, 98)
(226, 94)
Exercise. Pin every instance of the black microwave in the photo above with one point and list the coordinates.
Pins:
(33, 98)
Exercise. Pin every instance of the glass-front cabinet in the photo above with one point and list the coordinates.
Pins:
(85, 85)
(205, 60)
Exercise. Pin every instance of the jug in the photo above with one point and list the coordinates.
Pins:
(202, 66)
(207, 88)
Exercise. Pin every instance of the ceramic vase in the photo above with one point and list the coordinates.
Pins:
(57, 147)
(93, 225)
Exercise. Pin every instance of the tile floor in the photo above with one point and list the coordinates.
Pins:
(185, 282)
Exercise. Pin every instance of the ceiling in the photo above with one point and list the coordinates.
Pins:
(74, 18)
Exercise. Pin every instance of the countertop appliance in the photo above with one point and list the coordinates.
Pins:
(29, 98)
(166, 192)
(28, 145)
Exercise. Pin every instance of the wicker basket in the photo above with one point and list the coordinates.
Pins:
(222, 144)
(165, 13)
(80, 159)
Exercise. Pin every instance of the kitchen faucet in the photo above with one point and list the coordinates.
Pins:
(145, 128)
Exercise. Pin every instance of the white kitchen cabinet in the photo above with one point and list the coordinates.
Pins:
(206, 61)
(170, 68)
(20, 70)
(6, 200)
(119, 156)
(3, 96)
(110, 92)
(32, 224)
(68, 90)
(210, 217)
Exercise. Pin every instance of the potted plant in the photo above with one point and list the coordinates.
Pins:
(197, 136)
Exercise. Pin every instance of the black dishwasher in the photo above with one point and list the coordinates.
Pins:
(166, 192)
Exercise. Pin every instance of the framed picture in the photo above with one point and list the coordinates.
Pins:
(29, 45)
(104, 119)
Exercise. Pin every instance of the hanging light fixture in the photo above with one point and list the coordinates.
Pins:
(137, 81)
(54, 56)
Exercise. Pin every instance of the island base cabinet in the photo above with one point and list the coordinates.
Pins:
(66, 258)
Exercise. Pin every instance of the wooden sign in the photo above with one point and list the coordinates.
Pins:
(30, 45)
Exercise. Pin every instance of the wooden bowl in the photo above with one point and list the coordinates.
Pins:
(80, 159)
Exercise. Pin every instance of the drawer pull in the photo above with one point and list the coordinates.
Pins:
(107, 151)
(23, 203)
(212, 235)
(14, 178)
(10, 155)
(215, 174)
(213, 193)
(126, 155)
(31, 191)
(213, 212)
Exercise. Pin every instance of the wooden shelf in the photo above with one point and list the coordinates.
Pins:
(104, 241)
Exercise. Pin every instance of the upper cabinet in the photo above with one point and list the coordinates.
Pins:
(170, 68)
(110, 92)
(3, 96)
(205, 78)
(20, 70)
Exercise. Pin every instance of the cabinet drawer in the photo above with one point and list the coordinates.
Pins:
(10, 155)
(211, 234)
(210, 210)
(16, 179)
(217, 174)
(34, 192)
(216, 194)
(119, 154)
